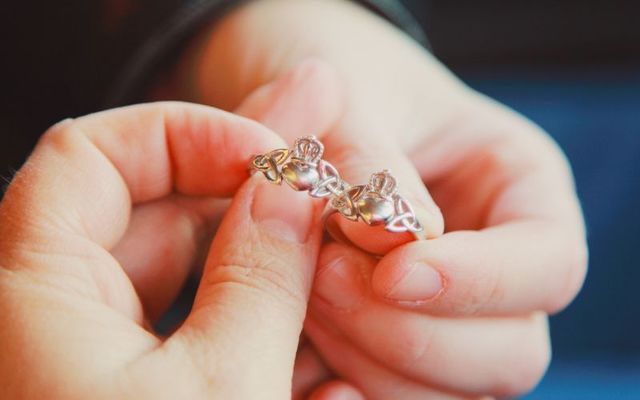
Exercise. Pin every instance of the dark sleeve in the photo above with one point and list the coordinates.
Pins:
(157, 50)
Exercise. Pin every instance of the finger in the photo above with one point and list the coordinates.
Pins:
(74, 194)
(503, 270)
(304, 98)
(309, 372)
(158, 262)
(357, 160)
(528, 254)
(254, 290)
(501, 357)
(308, 95)
(374, 380)
(492, 167)
(102, 163)
(337, 390)
(255, 285)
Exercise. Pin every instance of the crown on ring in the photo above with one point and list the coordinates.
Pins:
(382, 183)
(308, 149)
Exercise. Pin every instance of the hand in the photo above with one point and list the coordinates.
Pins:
(470, 319)
(97, 233)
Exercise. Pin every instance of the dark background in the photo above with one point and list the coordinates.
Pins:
(571, 66)
(541, 33)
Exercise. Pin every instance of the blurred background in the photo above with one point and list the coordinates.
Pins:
(571, 66)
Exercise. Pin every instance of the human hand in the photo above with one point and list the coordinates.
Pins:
(474, 324)
(97, 234)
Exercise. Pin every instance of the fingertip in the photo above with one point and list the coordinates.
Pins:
(309, 94)
(233, 139)
(337, 390)
(431, 219)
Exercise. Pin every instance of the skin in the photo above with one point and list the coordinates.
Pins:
(473, 322)
(97, 234)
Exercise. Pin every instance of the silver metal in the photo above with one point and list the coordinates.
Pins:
(269, 164)
(301, 172)
(301, 167)
(376, 203)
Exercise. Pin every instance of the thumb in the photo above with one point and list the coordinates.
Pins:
(247, 317)
(252, 300)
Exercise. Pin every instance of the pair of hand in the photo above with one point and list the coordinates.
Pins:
(469, 317)
(102, 225)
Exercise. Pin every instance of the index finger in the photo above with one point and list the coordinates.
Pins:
(85, 174)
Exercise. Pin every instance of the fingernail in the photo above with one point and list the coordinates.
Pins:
(418, 282)
(282, 212)
(340, 284)
(432, 222)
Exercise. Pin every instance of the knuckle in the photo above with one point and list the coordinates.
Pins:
(575, 270)
(61, 136)
(485, 290)
(411, 348)
(494, 290)
(310, 70)
(263, 278)
(21, 210)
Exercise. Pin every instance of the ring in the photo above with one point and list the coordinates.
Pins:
(302, 168)
(376, 203)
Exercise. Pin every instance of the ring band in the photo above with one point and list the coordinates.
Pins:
(376, 203)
